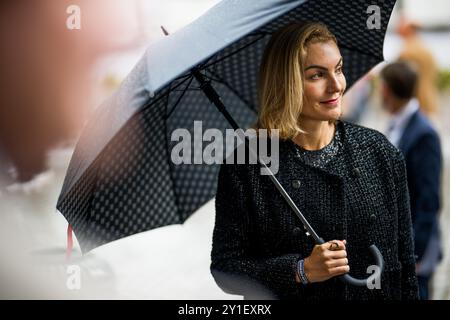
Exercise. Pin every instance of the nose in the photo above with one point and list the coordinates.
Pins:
(335, 84)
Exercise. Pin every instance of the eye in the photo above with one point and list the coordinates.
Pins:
(339, 70)
(316, 76)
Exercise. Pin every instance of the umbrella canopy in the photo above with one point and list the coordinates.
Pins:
(121, 179)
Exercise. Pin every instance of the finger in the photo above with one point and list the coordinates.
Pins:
(339, 270)
(341, 244)
(336, 254)
(335, 245)
(337, 263)
(330, 245)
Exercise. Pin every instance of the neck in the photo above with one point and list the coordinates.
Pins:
(398, 105)
(318, 134)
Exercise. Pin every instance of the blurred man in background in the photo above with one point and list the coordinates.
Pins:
(414, 135)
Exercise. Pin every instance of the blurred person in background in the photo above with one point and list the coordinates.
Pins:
(46, 78)
(416, 53)
(414, 135)
(47, 84)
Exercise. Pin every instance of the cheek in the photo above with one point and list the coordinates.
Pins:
(313, 92)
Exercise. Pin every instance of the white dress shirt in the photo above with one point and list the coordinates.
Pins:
(400, 120)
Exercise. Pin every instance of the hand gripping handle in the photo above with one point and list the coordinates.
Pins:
(378, 257)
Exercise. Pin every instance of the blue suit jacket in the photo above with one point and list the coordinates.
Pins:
(421, 148)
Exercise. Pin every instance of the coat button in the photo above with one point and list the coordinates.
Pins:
(296, 184)
(296, 231)
(373, 217)
(356, 172)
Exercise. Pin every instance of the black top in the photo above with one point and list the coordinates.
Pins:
(361, 196)
(319, 158)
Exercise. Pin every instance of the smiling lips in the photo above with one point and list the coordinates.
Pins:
(331, 102)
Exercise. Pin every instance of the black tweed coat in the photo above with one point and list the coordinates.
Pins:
(362, 197)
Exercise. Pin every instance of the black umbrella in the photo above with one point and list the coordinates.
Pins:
(121, 181)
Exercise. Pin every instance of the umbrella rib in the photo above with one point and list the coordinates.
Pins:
(233, 53)
(178, 100)
(166, 142)
(182, 77)
(232, 90)
(190, 89)
(152, 102)
(210, 77)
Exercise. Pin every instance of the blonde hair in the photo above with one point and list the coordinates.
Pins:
(280, 87)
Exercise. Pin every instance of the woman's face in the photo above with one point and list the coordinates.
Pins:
(324, 82)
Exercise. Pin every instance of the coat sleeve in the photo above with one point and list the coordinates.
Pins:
(425, 166)
(235, 264)
(409, 288)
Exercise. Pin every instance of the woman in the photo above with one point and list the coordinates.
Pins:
(348, 181)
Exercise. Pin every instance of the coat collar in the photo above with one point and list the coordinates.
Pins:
(343, 164)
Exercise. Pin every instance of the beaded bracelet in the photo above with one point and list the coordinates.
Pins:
(301, 271)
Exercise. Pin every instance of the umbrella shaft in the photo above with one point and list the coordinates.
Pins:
(213, 96)
(291, 203)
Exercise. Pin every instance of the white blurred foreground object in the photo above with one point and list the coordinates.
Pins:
(167, 263)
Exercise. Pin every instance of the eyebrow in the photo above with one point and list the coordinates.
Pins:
(320, 67)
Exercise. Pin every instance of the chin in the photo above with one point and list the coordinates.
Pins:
(335, 115)
(324, 114)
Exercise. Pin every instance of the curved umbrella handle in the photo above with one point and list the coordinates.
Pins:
(378, 257)
(377, 274)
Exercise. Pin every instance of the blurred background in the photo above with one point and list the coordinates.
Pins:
(52, 78)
